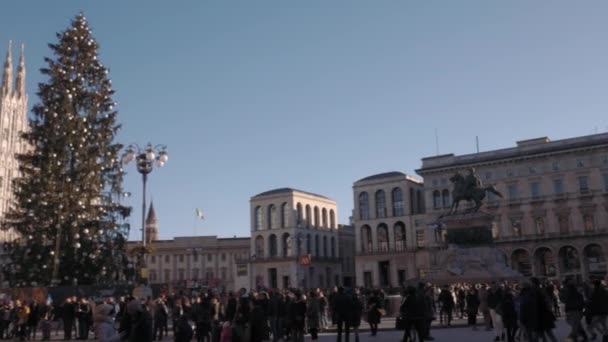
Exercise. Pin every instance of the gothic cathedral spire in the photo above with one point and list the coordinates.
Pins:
(20, 82)
(7, 76)
(151, 225)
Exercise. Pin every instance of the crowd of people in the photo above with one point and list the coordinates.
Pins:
(525, 311)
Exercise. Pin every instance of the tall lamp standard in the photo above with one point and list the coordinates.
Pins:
(145, 160)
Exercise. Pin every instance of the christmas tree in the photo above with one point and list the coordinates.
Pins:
(68, 213)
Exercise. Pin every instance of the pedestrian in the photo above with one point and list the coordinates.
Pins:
(494, 301)
(341, 313)
(83, 314)
(68, 314)
(373, 313)
(574, 304)
(472, 305)
(313, 315)
(598, 310)
(47, 319)
(297, 316)
(508, 314)
(104, 324)
(447, 305)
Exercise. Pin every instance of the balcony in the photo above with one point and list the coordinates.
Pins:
(314, 259)
(389, 251)
(551, 235)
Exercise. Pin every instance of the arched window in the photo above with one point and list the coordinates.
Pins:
(308, 216)
(308, 244)
(400, 236)
(286, 245)
(272, 241)
(272, 210)
(445, 196)
(317, 245)
(333, 247)
(363, 206)
(258, 218)
(298, 244)
(332, 218)
(299, 215)
(317, 218)
(284, 215)
(259, 247)
(398, 205)
(366, 239)
(380, 204)
(382, 237)
(325, 246)
(436, 199)
(324, 218)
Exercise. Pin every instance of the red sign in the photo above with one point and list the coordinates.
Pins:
(305, 260)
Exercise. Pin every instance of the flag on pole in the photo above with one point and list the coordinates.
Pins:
(199, 214)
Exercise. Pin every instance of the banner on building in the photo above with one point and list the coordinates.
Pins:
(305, 260)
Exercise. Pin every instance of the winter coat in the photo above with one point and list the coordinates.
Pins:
(356, 311)
(313, 313)
(104, 330)
(472, 301)
(573, 300)
(598, 302)
(507, 308)
(373, 313)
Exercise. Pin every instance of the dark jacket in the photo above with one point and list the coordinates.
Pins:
(258, 323)
(141, 327)
(598, 302)
(572, 299)
(373, 312)
(183, 330)
(472, 300)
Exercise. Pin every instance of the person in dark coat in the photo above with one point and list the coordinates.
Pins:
(83, 314)
(356, 312)
(472, 301)
(447, 304)
(373, 313)
(509, 315)
(183, 330)
(258, 322)
(160, 319)
(598, 309)
(33, 319)
(68, 314)
(412, 311)
(141, 323)
(546, 315)
(341, 311)
(297, 317)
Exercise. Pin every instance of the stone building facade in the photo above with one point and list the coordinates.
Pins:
(346, 238)
(553, 218)
(13, 121)
(193, 261)
(388, 220)
(294, 240)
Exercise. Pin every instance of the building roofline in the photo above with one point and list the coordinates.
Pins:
(524, 148)
(281, 191)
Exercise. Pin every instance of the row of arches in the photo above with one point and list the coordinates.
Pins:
(315, 245)
(397, 207)
(384, 242)
(274, 218)
(544, 262)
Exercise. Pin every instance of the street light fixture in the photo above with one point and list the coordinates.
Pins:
(146, 159)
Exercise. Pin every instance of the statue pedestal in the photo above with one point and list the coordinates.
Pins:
(470, 255)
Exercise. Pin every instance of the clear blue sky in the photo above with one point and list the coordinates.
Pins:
(255, 95)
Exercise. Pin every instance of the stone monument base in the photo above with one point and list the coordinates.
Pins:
(470, 255)
(473, 264)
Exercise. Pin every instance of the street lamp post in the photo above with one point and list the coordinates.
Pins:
(146, 159)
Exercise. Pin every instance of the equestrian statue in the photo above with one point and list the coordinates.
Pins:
(469, 189)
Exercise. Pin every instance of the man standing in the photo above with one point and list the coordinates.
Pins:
(342, 309)
(67, 314)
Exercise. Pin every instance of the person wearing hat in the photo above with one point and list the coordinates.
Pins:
(104, 324)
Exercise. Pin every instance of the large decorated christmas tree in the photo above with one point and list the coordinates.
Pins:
(68, 214)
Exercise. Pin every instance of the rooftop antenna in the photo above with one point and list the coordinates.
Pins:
(436, 142)
(477, 142)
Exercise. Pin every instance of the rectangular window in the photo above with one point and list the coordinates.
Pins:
(420, 238)
(210, 257)
(167, 258)
(513, 194)
(583, 184)
(223, 256)
(167, 276)
(153, 276)
(535, 190)
(181, 258)
(195, 273)
(153, 259)
(180, 274)
(367, 279)
(195, 257)
(558, 186)
(223, 273)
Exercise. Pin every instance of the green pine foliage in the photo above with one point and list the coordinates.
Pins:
(68, 212)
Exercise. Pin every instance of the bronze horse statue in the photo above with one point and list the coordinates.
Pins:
(470, 193)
